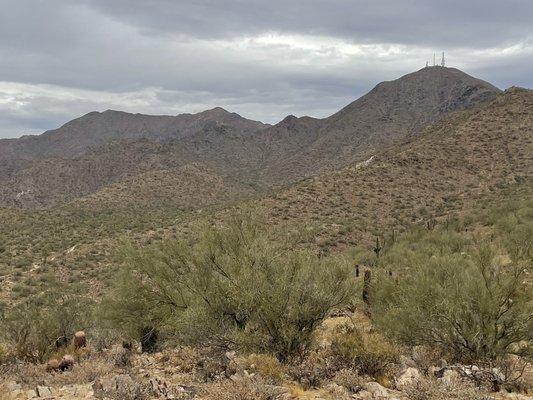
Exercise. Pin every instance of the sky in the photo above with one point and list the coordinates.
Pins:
(60, 59)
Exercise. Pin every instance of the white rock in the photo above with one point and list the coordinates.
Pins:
(408, 377)
(12, 386)
(31, 394)
(377, 390)
(44, 391)
(363, 395)
(450, 376)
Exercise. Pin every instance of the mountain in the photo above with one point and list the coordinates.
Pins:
(477, 156)
(470, 159)
(97, 150)
(390, 113)
(95, 129)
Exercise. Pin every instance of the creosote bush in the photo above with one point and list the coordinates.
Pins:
(235, 285)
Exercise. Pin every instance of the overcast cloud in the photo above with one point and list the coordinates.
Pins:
(262, 59)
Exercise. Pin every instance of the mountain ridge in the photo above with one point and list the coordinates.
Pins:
(248, 152)
(94, 129)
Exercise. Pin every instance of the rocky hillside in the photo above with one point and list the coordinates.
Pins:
(95, 129)
(390, 113)
(476, 154)
(473, 157)
(101, 149)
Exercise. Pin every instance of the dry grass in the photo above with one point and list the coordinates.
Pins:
(432, 389)
(31, 375)
(244, 389)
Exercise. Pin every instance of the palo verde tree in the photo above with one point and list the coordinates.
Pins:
(230, 286)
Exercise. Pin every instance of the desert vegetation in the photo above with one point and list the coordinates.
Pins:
(284, 319)
(470, 296)
(235, 284)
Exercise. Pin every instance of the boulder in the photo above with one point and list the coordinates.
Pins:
(121, 356)
(117, 386)
(363, 395)
(12, 386)
(43, 391)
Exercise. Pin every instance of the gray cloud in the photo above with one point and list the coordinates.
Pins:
(435, 23)
(264, 59)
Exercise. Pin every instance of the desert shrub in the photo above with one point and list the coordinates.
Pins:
(185, 359)
(266, 366)
(234, 284)
(367, 353)
(32, 327)
(425, 357)
(316, 368)
(433, 389)
(244, 389)
(349, 379)
(464, 303)
(3, 354)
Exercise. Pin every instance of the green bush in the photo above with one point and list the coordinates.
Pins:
(3, 354)
(31, 328)
(233, 284)
(464, 303)
(367, 353)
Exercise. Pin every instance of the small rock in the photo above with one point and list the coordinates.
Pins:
(407, 378)
(12, 386)
(450, 376)
(236, 377)
(377, 390)
(363, 395)
(43, 391)
(118, 386)
(31, 394)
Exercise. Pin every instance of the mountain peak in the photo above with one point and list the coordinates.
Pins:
(430, 88)
(216, 112)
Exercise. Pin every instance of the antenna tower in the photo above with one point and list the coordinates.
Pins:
(434, 59)
(443, 61)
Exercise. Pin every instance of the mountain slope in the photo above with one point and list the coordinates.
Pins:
(390, 113)
(474, 155)
(470, 159)
(95, 129)
(100, 149)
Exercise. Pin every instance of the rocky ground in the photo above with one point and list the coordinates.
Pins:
(188, 373)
